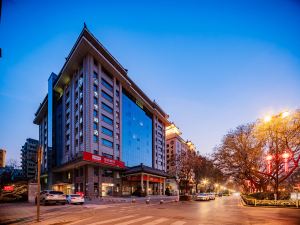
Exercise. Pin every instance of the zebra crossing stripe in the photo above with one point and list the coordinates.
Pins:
(154, 222)
(113, 220)
(135, 220)
(178, 223)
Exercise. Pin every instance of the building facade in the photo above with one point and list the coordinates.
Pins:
(2, 157)
(95, 122)
(29, 158)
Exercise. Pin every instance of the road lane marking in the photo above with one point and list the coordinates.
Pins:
(135, 220)
(178, 222)
(154, 222)
(113, 220)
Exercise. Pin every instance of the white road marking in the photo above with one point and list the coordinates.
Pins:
(178, 223)
(154, 222)
(135, 220)
(113, 220)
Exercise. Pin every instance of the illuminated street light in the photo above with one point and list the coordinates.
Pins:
(285, 114)
(285, 156)
(267, 118)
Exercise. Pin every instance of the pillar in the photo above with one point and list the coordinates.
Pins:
(147, 185)
(142, 182)
(160, 192)
(164, 186)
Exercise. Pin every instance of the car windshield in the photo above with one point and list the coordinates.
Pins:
(56, 193)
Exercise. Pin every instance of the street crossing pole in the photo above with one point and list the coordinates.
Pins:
(39, 159)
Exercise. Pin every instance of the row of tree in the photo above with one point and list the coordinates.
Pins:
(190, 169)
(263, 155)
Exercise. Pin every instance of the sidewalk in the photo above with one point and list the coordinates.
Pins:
(152, 199)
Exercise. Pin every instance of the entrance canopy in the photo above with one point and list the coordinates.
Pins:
(150, 181)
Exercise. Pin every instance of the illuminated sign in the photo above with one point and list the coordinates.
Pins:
(8, 188)
(102, 160)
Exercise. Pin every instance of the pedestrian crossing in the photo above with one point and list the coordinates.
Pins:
(135, 219)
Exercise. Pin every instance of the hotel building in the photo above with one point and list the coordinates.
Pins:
(100, 133)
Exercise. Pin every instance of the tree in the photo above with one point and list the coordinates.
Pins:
(238, 154)
(280, 135)
(181, 167)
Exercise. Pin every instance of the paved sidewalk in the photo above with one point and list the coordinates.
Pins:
(152, 199)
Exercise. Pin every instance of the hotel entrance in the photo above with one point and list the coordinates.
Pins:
(63, 187)
(143, 181)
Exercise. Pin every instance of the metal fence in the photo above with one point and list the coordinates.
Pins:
(281, 203)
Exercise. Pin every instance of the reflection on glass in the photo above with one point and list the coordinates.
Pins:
(136, 134)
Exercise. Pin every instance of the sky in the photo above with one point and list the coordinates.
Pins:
(211, 65)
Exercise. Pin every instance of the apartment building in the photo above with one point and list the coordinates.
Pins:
(2, 157)
(95, 124)
(29, 158)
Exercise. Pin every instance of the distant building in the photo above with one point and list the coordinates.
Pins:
(175, 144)
(2, 157)
(28, 158)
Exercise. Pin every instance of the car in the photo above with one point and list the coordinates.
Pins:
(202, 197)
(212, 196)
(75, 199)
(50, 196)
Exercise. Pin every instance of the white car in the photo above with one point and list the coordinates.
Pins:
(75, 199)
(202, 197)
(49, 196)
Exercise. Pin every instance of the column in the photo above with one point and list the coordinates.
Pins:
(164, 186)
(142, 182)
(147, 185)
(160, 192)
(90, 181)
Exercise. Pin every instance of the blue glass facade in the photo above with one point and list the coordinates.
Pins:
(136, 133)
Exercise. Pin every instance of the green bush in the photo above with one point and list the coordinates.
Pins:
(269, 196)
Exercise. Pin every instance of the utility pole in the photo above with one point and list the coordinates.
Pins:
(39, 159)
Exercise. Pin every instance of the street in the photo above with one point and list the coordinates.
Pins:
(225, 210)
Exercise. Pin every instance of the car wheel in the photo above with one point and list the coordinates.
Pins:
(44, 202)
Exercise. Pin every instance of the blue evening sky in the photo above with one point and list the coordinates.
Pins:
(211, 65)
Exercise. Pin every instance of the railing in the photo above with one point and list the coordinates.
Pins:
(280, 203)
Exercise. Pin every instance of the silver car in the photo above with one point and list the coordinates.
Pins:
(50, 196)
(202, 197)
(75, 199)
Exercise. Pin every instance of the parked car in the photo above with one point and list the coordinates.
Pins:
(202, 197)
(50, 196)
(75, 199)
(212, 196)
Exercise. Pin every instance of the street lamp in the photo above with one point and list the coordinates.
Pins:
(285, 156)
(269, 158)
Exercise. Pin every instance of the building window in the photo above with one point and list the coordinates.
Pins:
(95, 75)
(107, 96)
(96, 171)
(108, 155)
(96, 152)
(95, 87)
(107, 108)
(107, 131)
(106, 84)
(95, 125)
(117, 147)
(107, 143)
(108, 173)
(95, 138)
(117, 93)
(95, 100)
(107, 120)
(95, 113)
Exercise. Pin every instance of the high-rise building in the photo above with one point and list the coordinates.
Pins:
(95, 124)
(29, 158)
(2, 157)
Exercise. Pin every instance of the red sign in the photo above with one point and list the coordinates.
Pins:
(8, 188)
(102, 160)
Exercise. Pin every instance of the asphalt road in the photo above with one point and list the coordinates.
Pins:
(225, 210)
